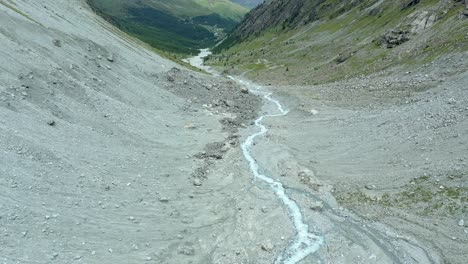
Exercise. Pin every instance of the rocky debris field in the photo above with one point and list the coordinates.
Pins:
(98, 143)
(222, 97)
(389, 147)
(396, 85)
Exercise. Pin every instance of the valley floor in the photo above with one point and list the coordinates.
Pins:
(376, 164)
(379, 154)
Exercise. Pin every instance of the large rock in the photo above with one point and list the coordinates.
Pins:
(394, 38)
(410, 3)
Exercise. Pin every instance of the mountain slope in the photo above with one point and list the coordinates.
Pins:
(95, 135)
(181, 26)
(248, 3)
(342, 38)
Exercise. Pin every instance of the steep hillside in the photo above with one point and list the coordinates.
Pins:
(181, 26)
(98, 138)
(343, 39)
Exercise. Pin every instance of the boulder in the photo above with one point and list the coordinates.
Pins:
(394, 38)
(110, 57)
(57, 43)
(410, 3)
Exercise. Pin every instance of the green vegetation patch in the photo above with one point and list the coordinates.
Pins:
(215, 20)
(179, 26)
(423, 196)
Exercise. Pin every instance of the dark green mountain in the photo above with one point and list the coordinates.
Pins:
(178, 26)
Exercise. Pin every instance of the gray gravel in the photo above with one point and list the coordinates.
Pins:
(388, 151)
(98, 145)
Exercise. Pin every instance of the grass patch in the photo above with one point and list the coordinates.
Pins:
(255, 67)
(422, 196)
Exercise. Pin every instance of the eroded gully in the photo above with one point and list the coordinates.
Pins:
(304, 242)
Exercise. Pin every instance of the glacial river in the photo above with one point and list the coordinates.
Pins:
(304, 242)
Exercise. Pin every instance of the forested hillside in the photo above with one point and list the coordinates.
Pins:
(179, 26)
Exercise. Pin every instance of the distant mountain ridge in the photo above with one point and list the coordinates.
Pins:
(248, 3)
(178, 26)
